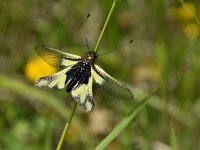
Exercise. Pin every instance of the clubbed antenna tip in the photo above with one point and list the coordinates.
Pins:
(87, 17)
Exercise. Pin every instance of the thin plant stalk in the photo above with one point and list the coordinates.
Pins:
(66, 128)
(105, 25)
(75, 105)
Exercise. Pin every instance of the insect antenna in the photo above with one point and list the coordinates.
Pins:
(87, 17)
(131, 41)
(86, 39)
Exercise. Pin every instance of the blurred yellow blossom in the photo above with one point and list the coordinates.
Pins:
(191, 31)
(182, 13)
(36, 68)
(186, 15)
(187, 12)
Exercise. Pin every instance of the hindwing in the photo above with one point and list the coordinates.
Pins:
(79, 83)
(109, 85)
(83, 95)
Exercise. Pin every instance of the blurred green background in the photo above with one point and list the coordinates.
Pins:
(165, 53)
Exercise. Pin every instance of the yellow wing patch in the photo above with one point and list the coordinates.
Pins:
(56, 58)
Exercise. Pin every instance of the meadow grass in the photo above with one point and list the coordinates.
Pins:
(165, 55)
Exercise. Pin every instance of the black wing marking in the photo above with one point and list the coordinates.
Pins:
(56, 58)
(79, 83)
(109, 85)
(83, 95)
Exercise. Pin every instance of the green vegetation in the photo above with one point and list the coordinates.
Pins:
(165, 54)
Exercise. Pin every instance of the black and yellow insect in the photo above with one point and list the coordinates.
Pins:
(78, 75)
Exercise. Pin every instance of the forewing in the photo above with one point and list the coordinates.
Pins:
(109, 85)
(83, 95)
(56, 58)
(56, 80)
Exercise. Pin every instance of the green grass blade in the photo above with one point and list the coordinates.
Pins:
(173, 137)
(175, 112)
(123, 124)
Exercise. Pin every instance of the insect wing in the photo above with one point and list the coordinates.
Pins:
(109, 85)
(83, 95)
(56, 80)
(56, 58)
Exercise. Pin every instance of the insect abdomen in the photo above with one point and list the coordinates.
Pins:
(77, 76)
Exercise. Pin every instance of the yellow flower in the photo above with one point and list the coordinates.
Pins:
(191, 31)
(187, 12)
(36, 68)
(186, 15)
(183, 13)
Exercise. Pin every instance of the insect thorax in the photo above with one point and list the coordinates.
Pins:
(90, 57)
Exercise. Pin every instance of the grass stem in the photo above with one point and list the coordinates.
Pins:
(105, 24)
(66, 128)
(75, 105)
